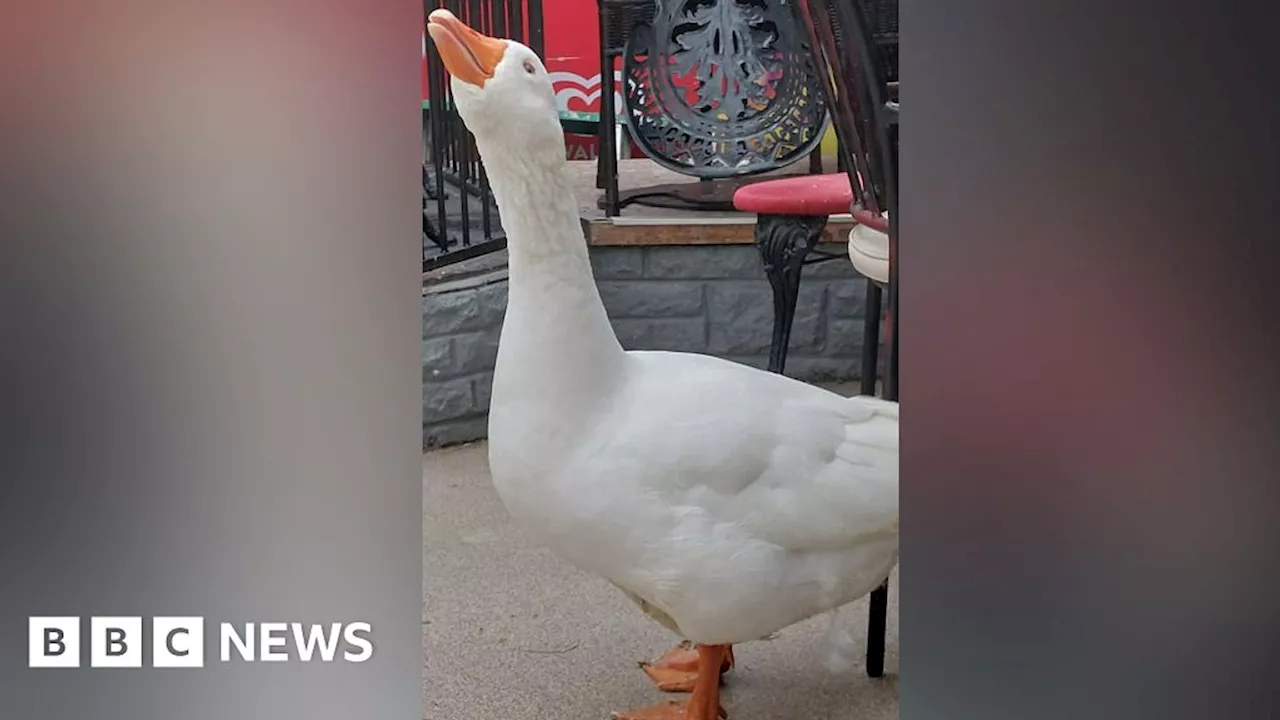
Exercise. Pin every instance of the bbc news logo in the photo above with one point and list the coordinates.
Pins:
(178, 642)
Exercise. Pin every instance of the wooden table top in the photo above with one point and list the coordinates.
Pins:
(642, 225)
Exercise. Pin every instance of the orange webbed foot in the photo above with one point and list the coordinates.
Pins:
(671, 680)
(677, 670)
(704, 703)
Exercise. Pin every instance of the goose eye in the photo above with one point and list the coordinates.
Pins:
(529, 68)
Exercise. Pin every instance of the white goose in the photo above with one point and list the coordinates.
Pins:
(726, 501)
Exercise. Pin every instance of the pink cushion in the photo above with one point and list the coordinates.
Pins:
(811, 195)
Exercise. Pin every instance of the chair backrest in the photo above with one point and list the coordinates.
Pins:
(853, 64)
(620, 19)
(722, 88)
(855, 50)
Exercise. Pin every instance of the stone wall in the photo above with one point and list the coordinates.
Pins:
(461, 320)
(706, 299)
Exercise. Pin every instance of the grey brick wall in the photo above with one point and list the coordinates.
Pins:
(460, 326)
(708, 299)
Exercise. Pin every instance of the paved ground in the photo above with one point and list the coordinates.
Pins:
(513, 633)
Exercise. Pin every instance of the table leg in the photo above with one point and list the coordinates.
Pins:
(784, 241)
(870, 339)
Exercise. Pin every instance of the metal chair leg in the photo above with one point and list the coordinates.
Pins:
(784, 241)
(606, 151)
(877, 618)
(871, 339)
(877, 614)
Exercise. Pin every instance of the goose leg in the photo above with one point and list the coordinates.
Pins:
(703, 704)
(677, 671)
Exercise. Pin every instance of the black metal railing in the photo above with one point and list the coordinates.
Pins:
(459, 218)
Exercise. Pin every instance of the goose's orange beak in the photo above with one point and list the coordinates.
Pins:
(468, 55)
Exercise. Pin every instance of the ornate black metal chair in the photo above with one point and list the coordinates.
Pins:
(855, 43)
(719, 90)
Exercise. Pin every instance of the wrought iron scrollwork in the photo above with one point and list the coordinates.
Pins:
(722, 88)
(785, 242)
